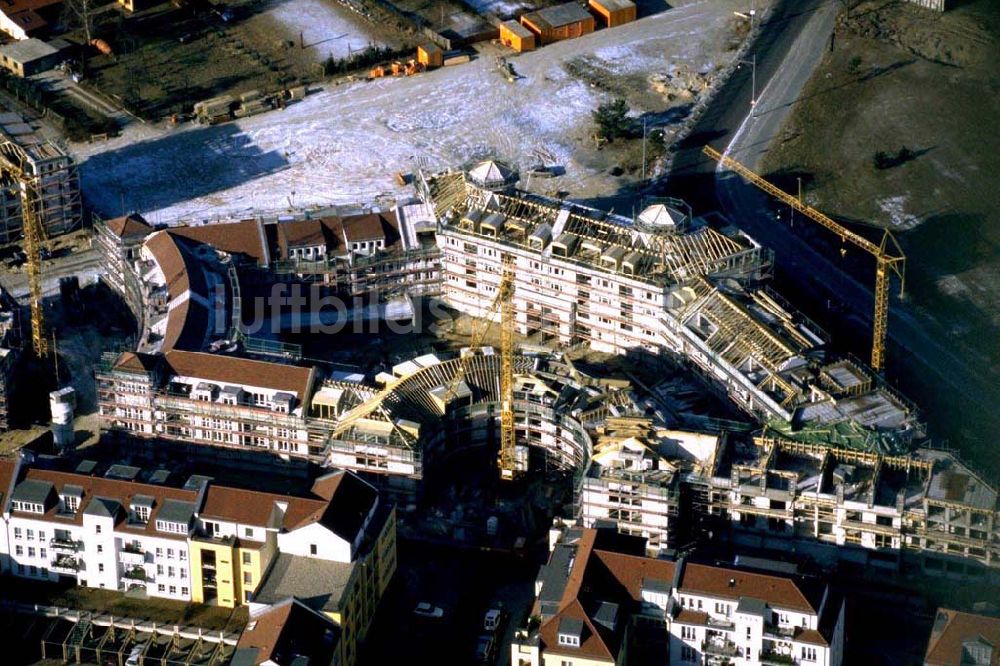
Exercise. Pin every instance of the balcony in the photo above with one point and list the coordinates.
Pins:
(130, 558)
(64, 546)
(772, 658)
(723, 623)
(134, 576)
(720, 647)
(781, 633)
(65, 565)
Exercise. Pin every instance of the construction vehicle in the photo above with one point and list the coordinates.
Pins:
(888, 254)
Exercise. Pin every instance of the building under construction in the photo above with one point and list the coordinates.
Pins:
(57, 183)
(664, 285)
(663, 282)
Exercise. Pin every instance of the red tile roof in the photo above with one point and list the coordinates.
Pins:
(714, 581)
(129, 226)
(288, 631)
(245, 237)
(592, 645)
(953, 628)
(242, 371)
(113, 489)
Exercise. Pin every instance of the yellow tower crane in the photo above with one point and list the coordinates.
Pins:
(888, 254)
(503, 303)
(33, 237)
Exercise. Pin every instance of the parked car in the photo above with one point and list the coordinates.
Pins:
(484, 649)
(425, 609)
(493, 619)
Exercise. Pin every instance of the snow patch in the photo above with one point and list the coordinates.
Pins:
(894, 208)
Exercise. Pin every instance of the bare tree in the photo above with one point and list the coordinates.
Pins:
(80, 14)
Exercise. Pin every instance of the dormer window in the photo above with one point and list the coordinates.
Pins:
(570, 632)
(30, 507)
(71, 503)
(140, 509)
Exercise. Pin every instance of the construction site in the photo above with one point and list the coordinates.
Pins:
(457, 325)
(610, 363)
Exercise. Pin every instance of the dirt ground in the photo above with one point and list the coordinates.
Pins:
(903, 77)
(166, 59)
(344, 143)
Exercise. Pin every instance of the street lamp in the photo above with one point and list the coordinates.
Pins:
(753, 78)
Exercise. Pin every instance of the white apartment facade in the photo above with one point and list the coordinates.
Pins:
(198, 543)
(719, 616)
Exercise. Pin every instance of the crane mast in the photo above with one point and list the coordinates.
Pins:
(33, 236)
(507, 457)
(889, 257)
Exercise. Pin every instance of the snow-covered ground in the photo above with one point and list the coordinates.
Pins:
(327, 28)
(343, 144)
(501, 7)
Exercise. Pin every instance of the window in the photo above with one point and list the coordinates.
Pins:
(248, 532)
(100, 548)
(17, 533)
(247, 558)
(182, 555)
(18, 550)
(312, 549)
(97, 529)
(808, 653)
(161, 587)
(171, 572)
(688, 653)
(159, 552)
(31, 535)
(170, 553)
(688, 633)
(141, 513)
(41, 535)
(569, 639)
(31, 552)
(71, 503)
(100, 568)
(41, 553)
(173, 589)
(159, 569)
(247, 578)
(184, 591)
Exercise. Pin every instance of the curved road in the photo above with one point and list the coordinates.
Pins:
(921, 356)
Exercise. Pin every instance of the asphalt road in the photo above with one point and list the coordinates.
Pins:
(838, 293)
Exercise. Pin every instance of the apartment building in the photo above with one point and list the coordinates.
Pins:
(210, 399)
(199, 542)
(57, 183)
(599, 600)
(119, 241)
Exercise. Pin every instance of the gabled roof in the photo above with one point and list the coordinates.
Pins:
(363, 228)
(593, 637)
(342, 507)
(952, 633)
(286, 632)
